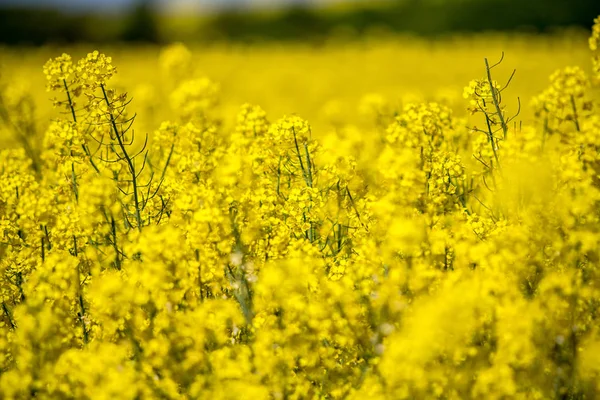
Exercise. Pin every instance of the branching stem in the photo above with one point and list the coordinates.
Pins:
(495, 99)
(129, 161)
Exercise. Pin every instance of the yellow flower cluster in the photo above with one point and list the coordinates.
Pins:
(232, 257)
(566, 100)
(194, 98)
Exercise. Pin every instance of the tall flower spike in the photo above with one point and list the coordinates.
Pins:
(95, 70)
(57, 71)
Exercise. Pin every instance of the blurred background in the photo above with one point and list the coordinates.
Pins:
(39, 22)
(337, 63)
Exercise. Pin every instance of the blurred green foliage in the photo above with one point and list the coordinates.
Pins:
(425, 17)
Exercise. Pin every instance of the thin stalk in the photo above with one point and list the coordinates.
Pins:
(81, 320)
(463, 201)
(87, 153)
(70, 101)
(81, 312)
(495, 99)
(300, 160)
(575, 116)
(113, 229)
(129, 161)
(19, 282)
(309, 166)
(309, 182)
(74, 179)
(354, 207)
(279, 174)
(491, 139)
(8, 316)
(339, 238)
(45, 229)
(164, 171)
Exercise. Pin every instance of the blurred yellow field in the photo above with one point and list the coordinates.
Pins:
(389, 218)
(326, 84)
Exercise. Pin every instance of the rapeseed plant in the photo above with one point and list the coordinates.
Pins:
(415, 258)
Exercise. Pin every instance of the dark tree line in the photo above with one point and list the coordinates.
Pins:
(35, 26)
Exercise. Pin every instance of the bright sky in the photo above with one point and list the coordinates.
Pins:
(170, 5)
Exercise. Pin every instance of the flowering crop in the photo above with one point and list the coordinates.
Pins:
(423, 258)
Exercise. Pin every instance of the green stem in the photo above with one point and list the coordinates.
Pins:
(493, 91)
(128, 159)
(113, 227)
(87, 153)
(74, 178)
(45, 229)
(300, 160)
(70, 101)
(279, 175)
(309, 166)
(81, 318)
(575, 116)
(8, 316)
(81, 312)
(491, 139)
